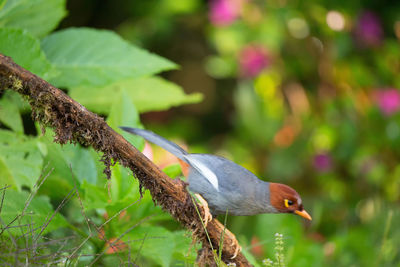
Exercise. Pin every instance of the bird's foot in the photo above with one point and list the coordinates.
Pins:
(207, 214)
(238, 248)
(234, 243)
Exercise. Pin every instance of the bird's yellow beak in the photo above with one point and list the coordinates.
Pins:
(303, 214)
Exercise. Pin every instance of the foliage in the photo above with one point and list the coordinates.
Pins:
(318, 92)
(99, 219)
(303, 93)
(94, 58)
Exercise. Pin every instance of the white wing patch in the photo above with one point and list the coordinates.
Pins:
(205, 171)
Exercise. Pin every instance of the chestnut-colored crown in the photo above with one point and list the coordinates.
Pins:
(279, 193)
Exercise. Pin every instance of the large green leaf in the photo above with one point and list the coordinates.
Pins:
(39, 17)
(122, 192)
(2, 3)
(171, 247)
(9, 112)
(37, 214)
(95, 197)
(6, 177)
(148, 94)
(81, 162)
(21, 160)
(124, 113)
(71, 163)
(25, 51)
(151, 239)
(182, 250)
(98, 57)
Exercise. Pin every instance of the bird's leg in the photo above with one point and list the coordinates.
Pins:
(235, 243)
(207, 215)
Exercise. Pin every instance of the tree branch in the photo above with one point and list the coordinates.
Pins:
(73, 123)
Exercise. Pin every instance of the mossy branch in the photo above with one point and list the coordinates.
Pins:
(73, 123)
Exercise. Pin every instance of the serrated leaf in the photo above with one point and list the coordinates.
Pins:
(37, 213)
(22, 159)
(9, 112)
(39, 17)
(25, 50)
(147, 94)
(89, 57)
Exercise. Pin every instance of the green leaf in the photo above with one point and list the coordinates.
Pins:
(88, 57)
(118, 194)
(94, 197)
(38, 213)
(124, 113)
(61, 176)
(149, 239)
(71, 163)
(125, 191)
(2, 3)
(6, 177)
(9, 112)
(182, 252)
(81, 163)
(250, 257)
(25, 51)
(148, 94)
(18, 100)
(173, 170)
(21, 160)
(39, 17)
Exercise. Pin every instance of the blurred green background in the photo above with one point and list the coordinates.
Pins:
(304, 93)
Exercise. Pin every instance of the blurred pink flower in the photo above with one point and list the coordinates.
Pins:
(322, 162)
(253, 59)
(368, 31)
(388, 100)
(224, 12)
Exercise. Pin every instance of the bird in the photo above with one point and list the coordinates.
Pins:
(223, 186)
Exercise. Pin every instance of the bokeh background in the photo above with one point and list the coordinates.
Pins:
(304, 93)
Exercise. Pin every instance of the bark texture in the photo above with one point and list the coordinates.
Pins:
(73, 123)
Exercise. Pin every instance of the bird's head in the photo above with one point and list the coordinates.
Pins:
(286, 200)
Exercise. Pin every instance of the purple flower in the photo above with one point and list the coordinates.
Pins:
(224, 12)
(388, 100)
(253, 59)
(369, 30)
(322, 162)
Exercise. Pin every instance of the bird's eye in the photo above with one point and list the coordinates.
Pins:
(288, 203)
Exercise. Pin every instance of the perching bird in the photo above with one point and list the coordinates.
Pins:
(228, 187)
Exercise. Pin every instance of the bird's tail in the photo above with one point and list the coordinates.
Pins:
(158, 140)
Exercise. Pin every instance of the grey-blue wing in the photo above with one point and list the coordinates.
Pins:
(224, 184)
(239, 190)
